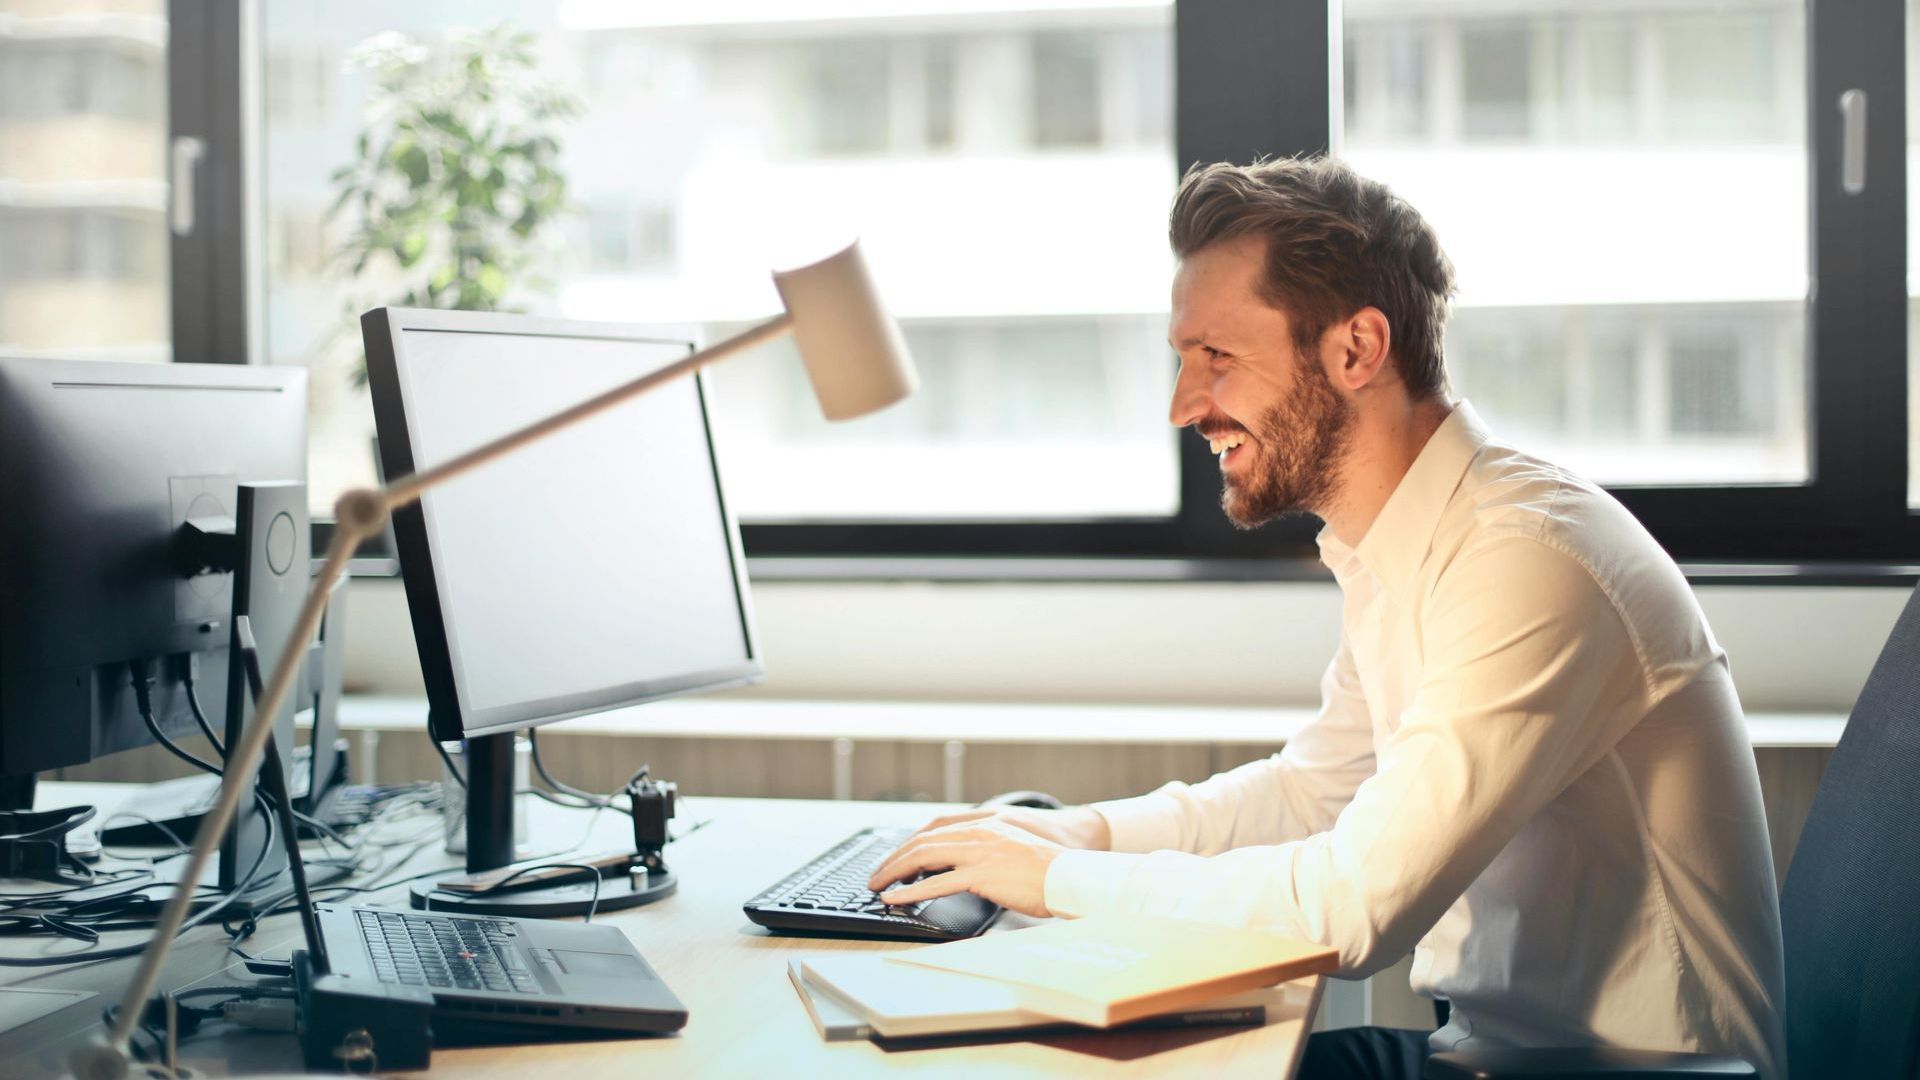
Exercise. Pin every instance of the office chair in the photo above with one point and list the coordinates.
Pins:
(1846, 912)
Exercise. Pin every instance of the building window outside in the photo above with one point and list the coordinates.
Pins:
(83, 234)
(1066, 90)
(1624, 197)
(1009, 184)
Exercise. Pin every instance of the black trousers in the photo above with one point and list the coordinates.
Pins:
(1364, 1053)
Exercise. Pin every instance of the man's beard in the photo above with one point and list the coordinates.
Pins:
(1300, 444)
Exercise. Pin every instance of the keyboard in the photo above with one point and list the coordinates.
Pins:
(829, 896)
(450, 951)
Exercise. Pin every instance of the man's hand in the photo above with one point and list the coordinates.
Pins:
(988, 857)
(1074, 827)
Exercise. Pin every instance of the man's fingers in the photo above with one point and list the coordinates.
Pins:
(945, 820)
(945, 834)
(953, 881)
(914, 859)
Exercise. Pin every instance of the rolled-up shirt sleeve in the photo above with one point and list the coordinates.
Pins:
(1527, 679)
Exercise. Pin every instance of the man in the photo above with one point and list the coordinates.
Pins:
(1529, 766)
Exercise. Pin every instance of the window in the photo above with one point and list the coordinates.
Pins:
(1664, 282)
(83, 126)
(1066, 89)
(708, 151)
(1496, 62)
(1566, 215)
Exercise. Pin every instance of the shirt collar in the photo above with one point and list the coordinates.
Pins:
(1399, 538)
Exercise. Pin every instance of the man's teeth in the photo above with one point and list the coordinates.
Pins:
(1221, 446)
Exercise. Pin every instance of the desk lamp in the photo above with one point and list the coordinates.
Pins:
(857, 363)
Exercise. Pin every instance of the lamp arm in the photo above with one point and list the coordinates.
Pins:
(241, 759)
(359, 515)
(408, 488)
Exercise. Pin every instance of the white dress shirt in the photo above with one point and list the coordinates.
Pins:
(1529, 768)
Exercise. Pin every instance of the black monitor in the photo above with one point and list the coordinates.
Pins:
(599, 568)
(101, 464)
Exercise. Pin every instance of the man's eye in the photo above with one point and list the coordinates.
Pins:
(1212, 352)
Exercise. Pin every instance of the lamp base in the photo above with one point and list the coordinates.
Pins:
(556, 900)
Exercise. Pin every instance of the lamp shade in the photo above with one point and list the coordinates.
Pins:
(853, 350)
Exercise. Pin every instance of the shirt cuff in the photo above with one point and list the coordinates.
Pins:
(1144, 823)
(1081, 883)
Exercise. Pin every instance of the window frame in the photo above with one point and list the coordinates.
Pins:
(1255, 78)
(212, 96)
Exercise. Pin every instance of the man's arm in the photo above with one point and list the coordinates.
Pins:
(1528, 678)
(1293, 794)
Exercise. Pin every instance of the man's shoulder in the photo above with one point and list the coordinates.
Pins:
(1514, 508)
(1507, 493)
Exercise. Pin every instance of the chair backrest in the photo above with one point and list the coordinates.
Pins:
(1850, 910)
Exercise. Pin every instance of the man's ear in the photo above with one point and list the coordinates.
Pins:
(1360, 344)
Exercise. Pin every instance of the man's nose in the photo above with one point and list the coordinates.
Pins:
(1191, 400)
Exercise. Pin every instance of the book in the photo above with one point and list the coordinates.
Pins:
(834, 1021)
(1111, 969)
(859, 995)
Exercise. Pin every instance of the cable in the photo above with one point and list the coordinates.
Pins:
(593, 904)
(140, 674)
(326, 831)
(562, 790)
(154, 1018)
(452, 769)
(585, 798)
(199, 714)
(180, 846)
(89, 956)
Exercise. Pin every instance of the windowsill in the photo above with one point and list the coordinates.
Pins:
(923, 722)
(1188, 571)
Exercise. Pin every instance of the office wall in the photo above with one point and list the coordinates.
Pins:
(1792, 649)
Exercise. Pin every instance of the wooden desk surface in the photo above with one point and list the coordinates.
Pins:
(745, 1019)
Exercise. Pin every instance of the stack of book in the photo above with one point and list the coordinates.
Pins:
(1099, 972)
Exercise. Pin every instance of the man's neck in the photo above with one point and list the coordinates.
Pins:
(1386, 440)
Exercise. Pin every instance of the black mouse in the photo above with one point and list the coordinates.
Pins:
(1039, 800)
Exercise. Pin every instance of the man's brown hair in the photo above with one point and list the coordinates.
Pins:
(1336, 242)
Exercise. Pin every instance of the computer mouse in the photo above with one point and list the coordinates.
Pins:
(1038, 800)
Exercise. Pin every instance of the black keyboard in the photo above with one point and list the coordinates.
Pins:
(829, 895)
(451, 951)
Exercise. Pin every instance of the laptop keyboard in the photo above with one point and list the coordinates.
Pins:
(453, 952)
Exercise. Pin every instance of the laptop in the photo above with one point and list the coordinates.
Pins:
(493, 979)
(499, 980)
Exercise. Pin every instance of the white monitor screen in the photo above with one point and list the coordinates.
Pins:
(596, 568)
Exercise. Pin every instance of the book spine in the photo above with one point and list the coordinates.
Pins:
(1247, 1016)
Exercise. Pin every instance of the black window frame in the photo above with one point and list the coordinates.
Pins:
(1254, 78)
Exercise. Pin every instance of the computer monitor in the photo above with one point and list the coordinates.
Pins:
(101, 464)
(596, 569)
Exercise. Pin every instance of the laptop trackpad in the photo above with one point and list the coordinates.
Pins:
(605, 965)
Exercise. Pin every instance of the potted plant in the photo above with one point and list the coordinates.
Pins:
(455, 184)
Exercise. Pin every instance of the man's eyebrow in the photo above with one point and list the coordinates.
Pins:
(1189, 342)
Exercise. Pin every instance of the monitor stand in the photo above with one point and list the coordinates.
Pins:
(490, 847)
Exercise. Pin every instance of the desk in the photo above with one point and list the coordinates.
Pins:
(745, 1018)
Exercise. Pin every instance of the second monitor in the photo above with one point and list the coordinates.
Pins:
(598, 569)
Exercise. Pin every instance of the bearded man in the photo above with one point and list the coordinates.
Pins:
(1529, 766)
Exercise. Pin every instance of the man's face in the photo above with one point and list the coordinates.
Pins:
(1242, 381)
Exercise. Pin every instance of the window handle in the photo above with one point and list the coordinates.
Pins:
(1853, 141)
(187, 152)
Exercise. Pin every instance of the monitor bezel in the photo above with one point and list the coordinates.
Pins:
(449, 720)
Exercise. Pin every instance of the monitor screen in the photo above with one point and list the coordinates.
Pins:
(597, 568)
